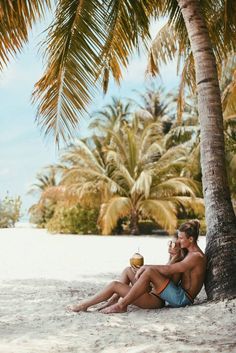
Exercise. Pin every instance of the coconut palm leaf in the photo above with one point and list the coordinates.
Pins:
(143, 184)
(63, 91)
(116, 208)
(192, 167)
(163, 49)
(172, 155)
(181, 135)
(111, 117)
(228, 78)
(120, 172)
(16, 19)
(172, 41)
(86, 40)
(195, 204)
(161, 211)
(187, 78)
(150, 136)
(175, 186)
(44, 180)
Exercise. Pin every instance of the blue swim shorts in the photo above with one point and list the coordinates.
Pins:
(174, 295)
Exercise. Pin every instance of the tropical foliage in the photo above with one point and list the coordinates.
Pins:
(129, 173)
(10, 209)
(16, 19)
(89, 41)
(73, 220)
(42, 211)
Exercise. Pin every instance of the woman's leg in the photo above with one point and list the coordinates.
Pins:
(114, 287)
(127, 277)
(146, 301)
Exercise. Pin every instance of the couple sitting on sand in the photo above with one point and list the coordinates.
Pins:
(153, 286)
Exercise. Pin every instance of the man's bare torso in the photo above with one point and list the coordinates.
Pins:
(192, 280)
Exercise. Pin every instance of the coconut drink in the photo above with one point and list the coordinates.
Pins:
(137, 260)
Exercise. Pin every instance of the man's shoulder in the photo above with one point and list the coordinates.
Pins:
(196, 255)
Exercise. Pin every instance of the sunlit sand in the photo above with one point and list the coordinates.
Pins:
(41, 274)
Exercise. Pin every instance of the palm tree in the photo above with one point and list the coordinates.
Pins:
(155, 106)
(138, 179)
(220, 217)
(44, 180)
(43, 210)
(112, 117)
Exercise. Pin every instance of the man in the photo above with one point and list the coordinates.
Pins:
(191, 269)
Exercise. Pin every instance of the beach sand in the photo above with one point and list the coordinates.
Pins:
(40, 274)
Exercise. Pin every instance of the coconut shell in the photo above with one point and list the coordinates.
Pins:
(137, 260)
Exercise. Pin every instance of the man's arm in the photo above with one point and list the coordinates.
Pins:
(169, 270)
(179, 267)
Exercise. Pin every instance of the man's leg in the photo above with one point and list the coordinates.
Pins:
(139, 288)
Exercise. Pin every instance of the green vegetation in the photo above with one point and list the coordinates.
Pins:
(135, 171)
(134, 175)
(73, 220)
(9, 211)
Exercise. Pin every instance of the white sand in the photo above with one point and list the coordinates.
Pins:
(40, 274)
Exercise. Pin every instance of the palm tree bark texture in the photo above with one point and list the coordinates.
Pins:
(220, 217)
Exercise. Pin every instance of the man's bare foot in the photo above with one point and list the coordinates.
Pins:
(113, 309)
(77, 307)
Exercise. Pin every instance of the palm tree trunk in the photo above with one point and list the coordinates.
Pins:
(134, 229)
(220, 217)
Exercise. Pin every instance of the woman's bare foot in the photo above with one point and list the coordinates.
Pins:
(110, 302)
(77, 307)
(115, 308)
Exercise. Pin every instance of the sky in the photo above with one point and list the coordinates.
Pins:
(24, 151)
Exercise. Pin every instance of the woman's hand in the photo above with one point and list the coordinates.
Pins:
(135, 268)
(140, 271)
(174, 251)
(174, 248)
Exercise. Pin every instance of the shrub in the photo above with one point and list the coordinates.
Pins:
(41, 213)
(73, 220)
(9, 211)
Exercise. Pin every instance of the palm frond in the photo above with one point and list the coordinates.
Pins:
(176, 186)
(116, 208)
(16, 19)
(163, 49)
(187, 79)
(127, 24)
(85, 38)
(195, 204)
(73, 47)
(60, 193)
(180, 135)
(161, 211)
(143, 184)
